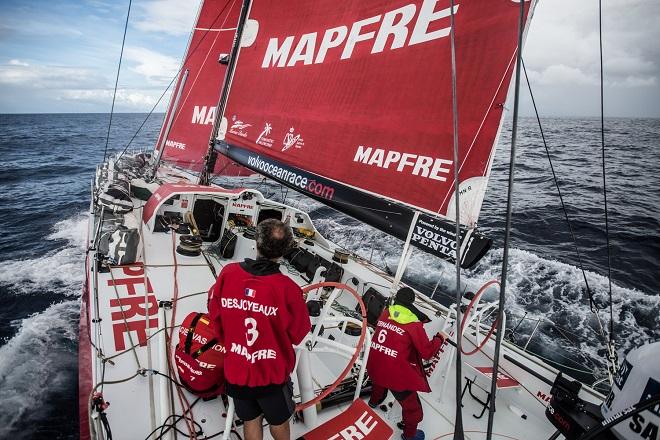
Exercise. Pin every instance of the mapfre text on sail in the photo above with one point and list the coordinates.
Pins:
(394, 27)
(416, 164)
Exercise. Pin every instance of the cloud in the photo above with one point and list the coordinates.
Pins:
(17, 72)
(562, 47)
(558, 74)
(126, 99)
(174, 17)
(157, 68)
(51, 26)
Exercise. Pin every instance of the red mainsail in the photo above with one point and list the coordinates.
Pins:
(360, 93)
(188, 139)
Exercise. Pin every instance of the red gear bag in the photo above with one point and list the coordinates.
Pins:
(199, 358)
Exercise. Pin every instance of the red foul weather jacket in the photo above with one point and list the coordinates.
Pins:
(397, 349)
(259, 314)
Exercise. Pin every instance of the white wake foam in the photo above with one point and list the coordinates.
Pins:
(540, 287)
(38, 361)
(60, 270)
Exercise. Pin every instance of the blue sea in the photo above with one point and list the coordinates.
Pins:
(48, 162)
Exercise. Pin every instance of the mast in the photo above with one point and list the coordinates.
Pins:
(458, 422)
(507, 231)
(211, 155)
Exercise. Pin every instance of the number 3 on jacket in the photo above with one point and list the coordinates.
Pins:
(251, 332)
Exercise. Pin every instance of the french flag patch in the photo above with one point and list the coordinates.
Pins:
(250, 292)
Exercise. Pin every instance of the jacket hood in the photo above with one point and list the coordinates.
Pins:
(260, 266)
(401, 314)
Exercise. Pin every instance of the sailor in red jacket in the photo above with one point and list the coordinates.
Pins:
(260, 314)
(395, 360)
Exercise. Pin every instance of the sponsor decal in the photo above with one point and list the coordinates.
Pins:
(503, 380)
(174, 144)
(293, 178)
(559, 420)
(241, 205)
(263, 138)
(291, 140)
(357, 422)
(544, 397)
(131, 311)
(203, 115)
(417, 165)
(622, 374)
(652, 389)
(385, 350)
(647, 430)
(266, 353)
(404, 25)
(238, 127)
(435, 237)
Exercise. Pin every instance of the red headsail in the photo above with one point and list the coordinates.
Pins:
(188, 139)
(359, 94)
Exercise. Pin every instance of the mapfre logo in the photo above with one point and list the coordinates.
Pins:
(416, 164)
(241, 205)
(174, 144)
(204, 115)
(400, 27)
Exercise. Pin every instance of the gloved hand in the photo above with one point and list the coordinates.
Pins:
(440, 336)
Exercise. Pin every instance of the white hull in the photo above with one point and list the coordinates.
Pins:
(143, 403)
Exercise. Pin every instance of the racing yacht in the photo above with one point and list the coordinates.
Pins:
(386, 111)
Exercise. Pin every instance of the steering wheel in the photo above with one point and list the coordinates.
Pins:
(303, 405)
(474, 303)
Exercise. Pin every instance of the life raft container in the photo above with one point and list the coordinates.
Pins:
(199, 358)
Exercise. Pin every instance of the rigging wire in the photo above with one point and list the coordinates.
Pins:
(611, 352)
(114, 95)
(458, 422)
(176, 75)
(561, 198)
(507, 229)
(592, 305)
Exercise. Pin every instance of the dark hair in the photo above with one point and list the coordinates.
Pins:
(274, 238)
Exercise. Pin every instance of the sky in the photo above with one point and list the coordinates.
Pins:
(61, 55)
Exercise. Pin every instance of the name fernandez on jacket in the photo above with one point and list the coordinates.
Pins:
(397, 23)
(418, 165)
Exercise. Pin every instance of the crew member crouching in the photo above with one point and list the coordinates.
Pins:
(260, 314)
(395, 360)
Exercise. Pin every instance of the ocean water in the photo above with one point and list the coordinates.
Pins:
(48, 161)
